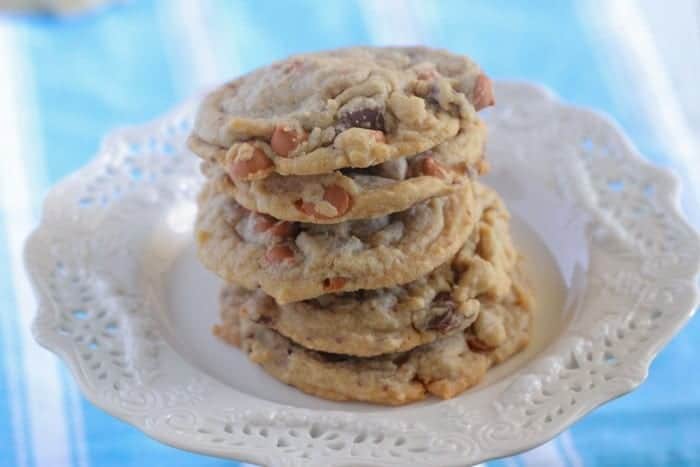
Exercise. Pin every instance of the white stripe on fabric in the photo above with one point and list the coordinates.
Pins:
(670, 27)
(226, 26)
(10, 349)
(546, 455)
(10, 345)
(644, 71)
(190, 70)
(393, 22)
(191, 53)
(21, 177)
(567, 445)
(16, 398)
(78, 421)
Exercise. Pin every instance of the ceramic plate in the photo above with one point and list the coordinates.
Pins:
(125, 304)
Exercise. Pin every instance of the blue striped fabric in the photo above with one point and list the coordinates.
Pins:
(65, 82)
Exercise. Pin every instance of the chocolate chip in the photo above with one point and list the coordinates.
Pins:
(370, 119)
(446, 321)
(443, 323)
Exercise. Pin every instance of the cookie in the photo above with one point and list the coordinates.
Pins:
(350, 194)
(357, 107)
(444, 368)
(395, 319)
(298, 261)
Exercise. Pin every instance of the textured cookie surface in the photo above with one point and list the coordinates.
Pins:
(396, 319)
(444, 368)
(356, 107)
(349, 194)
(299, 261)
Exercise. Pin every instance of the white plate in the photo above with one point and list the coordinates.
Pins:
(126, 305)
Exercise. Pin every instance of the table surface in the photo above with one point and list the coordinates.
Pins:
(66, 81)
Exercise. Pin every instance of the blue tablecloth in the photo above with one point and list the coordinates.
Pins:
(65, 82)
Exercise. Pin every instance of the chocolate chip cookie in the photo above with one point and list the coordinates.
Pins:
(295, 261)
(392, 186)
(357, 107)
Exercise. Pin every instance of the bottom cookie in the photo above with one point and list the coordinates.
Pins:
(444, 368)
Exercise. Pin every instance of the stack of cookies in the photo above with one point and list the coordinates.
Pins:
(362, 258)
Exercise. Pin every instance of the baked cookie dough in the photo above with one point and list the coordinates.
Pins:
(298, 261)
(356, 107)
(350, 194)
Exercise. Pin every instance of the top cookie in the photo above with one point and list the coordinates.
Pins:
(357, 107)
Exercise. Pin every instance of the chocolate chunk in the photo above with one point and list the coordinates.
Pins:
(443, 323)
(446, 321)
(370, 119)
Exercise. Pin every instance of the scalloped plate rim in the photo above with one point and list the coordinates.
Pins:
(53, 344)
